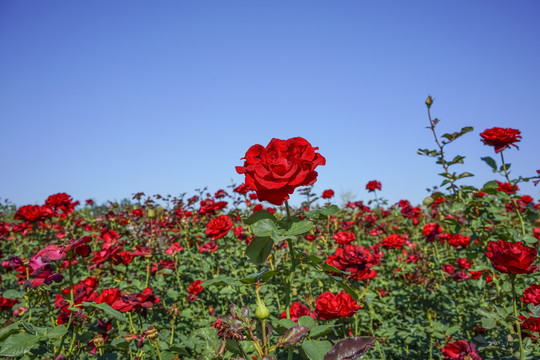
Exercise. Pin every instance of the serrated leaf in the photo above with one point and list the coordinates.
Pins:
(320, 330)
(57, 332)
(107, 309)
(306, 321)
(287, 323)
(331, 210)
(300, 227)
(18, 344)
(263, 228)
(221, 280)
(259, 249)
(259, 215)
(315, 349)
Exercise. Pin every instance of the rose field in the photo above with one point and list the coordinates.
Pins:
(243, 274)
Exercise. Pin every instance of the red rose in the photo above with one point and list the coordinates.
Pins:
(531, 295)
(431, 231)
(108, 296)
(327, 194)
(460, 350)
(511, 258)
(344, 238)
(500, 138)
(332, 306)
(373, 185)
(6, 304)
(357, 260)
(210, 246)
(507, 187)
(449, 268)
(33, 213)
(531, 324)
(393, 241)
(274, 171)
(463, 263)
(195, 287)
(298, 310)
(241, 189)
(218, 227)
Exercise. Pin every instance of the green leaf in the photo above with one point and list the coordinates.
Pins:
(306, 321)
(349, 290)
(300, 227)
(57, 332)
(221, 280)
(315, 350)
(12, 294)
(320, 330)
(8, 330)
(18, 344)
(287, 323)
(331, 210)
(263, 228)
(491, 162)
(107, 309)
(259, 249)
(259, 215)
(328, 267)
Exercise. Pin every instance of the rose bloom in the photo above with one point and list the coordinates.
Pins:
(357, 260)
(276, 170)
(210, 246)
(431, 231)
(531, 295)
(373, 185)
(195, 287)
(460, 350)
(511, 258)
(6, 304)
(327, 194)
(218, 227)
(501, 138)
(332, 306)
(393, 241)
(33, 213)
(531, 324)
(463, 263)
(241, 189)
(507, 187)
(298, 310)
(448, 269)
(344, 238)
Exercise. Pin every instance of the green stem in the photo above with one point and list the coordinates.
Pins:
(147, 272)
(513, 281)
(518, 212)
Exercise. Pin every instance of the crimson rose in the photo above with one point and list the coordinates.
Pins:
(218, 227)
(274, 171)
(332, 306)
(460, 350)
(511, 258)
(500, 138)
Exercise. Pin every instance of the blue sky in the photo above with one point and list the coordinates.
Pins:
(103, 99)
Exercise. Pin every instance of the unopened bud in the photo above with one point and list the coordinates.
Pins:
(151, 332)
(429, 101)
(262, 311)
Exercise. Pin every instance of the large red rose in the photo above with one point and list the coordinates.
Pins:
(460, 350)
(274, 171)
(218, 227)
(33, 213)
(373, 185)
(332, 306)
(511, 258)
(531, 295)
(500, 138)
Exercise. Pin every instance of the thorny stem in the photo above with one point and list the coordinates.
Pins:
(441, 151)
(513, 281)
(513, 199)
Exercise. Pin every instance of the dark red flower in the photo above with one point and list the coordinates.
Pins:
(209, 206)
(62, 202)
(174, 249)
(276, 170)
(431, 231)
(220, 194)
(507, 187)
(531, 295)
(297, 310)
(241, 189)
(531, 324)
(460, 350)
(373, 185)
(6, 304)
(195, 287)
(327, 194)
(218, 227)
(511, 258)
(32, 213)
(357, 260)
(463, 263)
(501, 138)
(449, 268)
(344, 238)
(393, 241)
(210, 246)
(332, 306)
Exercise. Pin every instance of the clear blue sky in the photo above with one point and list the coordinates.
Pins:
(102, 99)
